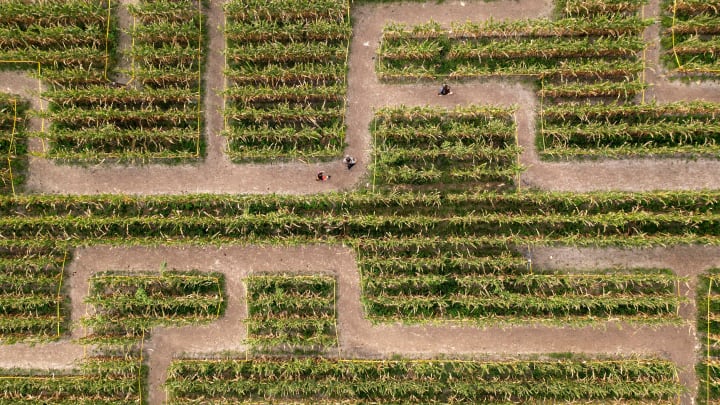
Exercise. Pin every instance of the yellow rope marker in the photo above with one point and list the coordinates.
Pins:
(225, 80)
(199, 103)
(672, 32)
(347, 59)
(41, 378)
(132, 53)
(374, 153)
(707, 345)
(220, 296)
(57, 303)
(11, 146)
(247, 315)
(644, 61)
(517, 156)
(337, 333)
(542, 115)
(142, 345)
(107, 40)
(85, 331)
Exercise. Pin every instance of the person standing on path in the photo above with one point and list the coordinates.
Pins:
(349, 161)
(444, 90)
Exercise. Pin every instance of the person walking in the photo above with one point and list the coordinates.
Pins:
(444, 90)
(349, 161)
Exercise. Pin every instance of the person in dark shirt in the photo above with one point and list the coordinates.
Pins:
(444, 90)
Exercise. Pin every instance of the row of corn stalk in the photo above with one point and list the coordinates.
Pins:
(286, 65)
(425, 381)
(291, 313)
(128, 305)
(32, 307)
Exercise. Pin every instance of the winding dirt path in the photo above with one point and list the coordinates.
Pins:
(359, 338)
(216, 174)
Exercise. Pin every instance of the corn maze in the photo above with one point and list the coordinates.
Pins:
(588, 67)
(415, 284)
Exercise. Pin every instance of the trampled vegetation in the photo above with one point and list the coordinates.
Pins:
(691, 37)
(286, 67)
(468, 148)
(291, 313)
(323, 381)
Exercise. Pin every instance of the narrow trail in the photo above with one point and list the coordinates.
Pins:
(124, 63)
(359, 338)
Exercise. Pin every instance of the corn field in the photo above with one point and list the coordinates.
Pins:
(469, 148)
(33, 306)
(115, 379)
(291, 314)
(286, 66)
(128, 305)
(323, 381)
(680, 128)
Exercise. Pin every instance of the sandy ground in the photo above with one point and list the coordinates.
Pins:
(358, 337)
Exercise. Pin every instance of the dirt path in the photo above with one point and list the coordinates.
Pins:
(213, 174)
(358, 336)
(216, 174)
(124, 45)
